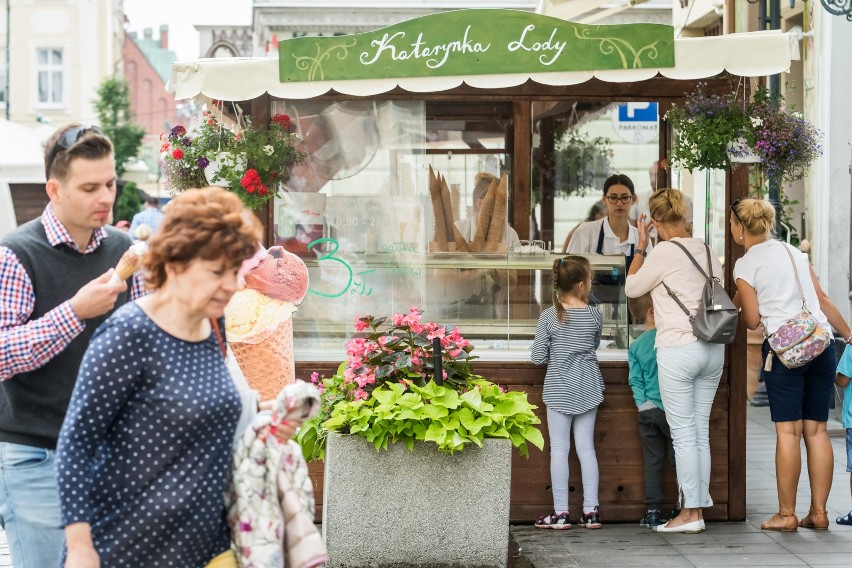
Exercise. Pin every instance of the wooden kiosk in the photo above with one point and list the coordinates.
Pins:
(466, 107)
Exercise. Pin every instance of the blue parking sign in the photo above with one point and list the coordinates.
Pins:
(637, 112)
(636, 122)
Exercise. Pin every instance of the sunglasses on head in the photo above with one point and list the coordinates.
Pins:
(68, 139)
(734, 210)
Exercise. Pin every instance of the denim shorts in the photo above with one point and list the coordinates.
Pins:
(849, 450)
(800, 394)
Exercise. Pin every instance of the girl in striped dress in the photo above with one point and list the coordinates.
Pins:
(566, 339)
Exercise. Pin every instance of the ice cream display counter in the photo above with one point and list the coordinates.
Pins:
(494, 299)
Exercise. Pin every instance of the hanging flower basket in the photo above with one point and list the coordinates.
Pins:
(781, 142)
(250, 160)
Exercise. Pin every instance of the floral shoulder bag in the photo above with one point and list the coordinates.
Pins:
(800, 339)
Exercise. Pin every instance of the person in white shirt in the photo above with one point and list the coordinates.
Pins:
(613, 234)
(798, 398)
(689, 369)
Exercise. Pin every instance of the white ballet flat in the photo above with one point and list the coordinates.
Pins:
(691, 527)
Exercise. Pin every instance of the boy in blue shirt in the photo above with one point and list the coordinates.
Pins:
(844, 371)
(653, 427)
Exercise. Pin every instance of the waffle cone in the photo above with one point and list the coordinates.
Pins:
(268, 365)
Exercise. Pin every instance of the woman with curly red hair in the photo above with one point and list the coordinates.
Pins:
(144, 454)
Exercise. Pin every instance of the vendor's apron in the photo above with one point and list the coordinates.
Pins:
(608, 288)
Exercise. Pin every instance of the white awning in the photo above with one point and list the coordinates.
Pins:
(235, 79)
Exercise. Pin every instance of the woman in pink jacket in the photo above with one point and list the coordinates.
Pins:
(689, 368)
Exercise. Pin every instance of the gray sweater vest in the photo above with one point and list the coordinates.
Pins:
(33, 404)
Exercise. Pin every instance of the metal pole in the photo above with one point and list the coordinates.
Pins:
(774, 93)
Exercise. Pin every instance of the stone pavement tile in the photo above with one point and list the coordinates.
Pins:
(712, 537)
(750, 559)
(825, 558)
(602, 560)
(732, 527)
(719, 549)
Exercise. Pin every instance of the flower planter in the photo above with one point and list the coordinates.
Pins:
(739, 152)
(420, 508)
(216, 164)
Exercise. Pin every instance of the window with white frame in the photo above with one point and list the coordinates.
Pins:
(49, 71)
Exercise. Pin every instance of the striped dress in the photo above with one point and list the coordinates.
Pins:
(573, 383)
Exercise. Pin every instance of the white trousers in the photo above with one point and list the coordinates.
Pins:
(689, 376)
(559, 426)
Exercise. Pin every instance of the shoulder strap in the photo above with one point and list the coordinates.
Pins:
(796, 272)
(219, 340)
(679, 303)
(601, 238)
(701, 270)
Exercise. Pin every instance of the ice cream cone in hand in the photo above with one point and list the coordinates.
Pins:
(129, 262)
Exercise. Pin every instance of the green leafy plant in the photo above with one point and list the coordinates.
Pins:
(384, 392)
(128, 203)
(706, 124)
(116, 119)
(579, 163)
(582, 162)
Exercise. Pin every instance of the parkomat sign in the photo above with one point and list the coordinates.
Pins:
(476, 42)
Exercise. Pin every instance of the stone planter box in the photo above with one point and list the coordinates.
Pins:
(422, 508)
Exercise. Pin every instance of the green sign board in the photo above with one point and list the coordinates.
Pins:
(476, 42)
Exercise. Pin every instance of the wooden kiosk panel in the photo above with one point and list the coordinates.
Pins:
(617, 441)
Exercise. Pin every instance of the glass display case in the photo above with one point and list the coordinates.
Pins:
(386, 211)
(494, 299)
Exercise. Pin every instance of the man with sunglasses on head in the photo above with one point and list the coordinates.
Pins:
(55, 290)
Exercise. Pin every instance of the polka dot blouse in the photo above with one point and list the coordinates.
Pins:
(145, 450)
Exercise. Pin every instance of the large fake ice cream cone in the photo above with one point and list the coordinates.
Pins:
(260, 333)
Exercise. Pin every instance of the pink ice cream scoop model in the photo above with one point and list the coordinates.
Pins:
(259, 318)
(281, 275)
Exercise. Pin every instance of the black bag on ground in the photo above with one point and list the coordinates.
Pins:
(716, 318)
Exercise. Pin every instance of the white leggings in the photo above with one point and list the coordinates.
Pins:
(559, 427)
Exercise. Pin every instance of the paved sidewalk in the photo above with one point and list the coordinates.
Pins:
(723, 544)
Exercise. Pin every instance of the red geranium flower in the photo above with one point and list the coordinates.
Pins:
(282, 119)
(177, 154)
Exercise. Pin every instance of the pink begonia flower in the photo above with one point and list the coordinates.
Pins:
(315, 377)
(356, 347)
(356, 362)
(503, 389)
(444, 373)
(415, 360)
(438, 332)
(397, 318)
(348, 375)
(455, 353)
(361, 325)
(361, 394)
(365, 379)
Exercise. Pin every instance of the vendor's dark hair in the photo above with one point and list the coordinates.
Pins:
(619, 179)
(567, 273)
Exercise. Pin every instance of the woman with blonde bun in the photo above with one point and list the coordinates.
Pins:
(689, 369)
(767, 291)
